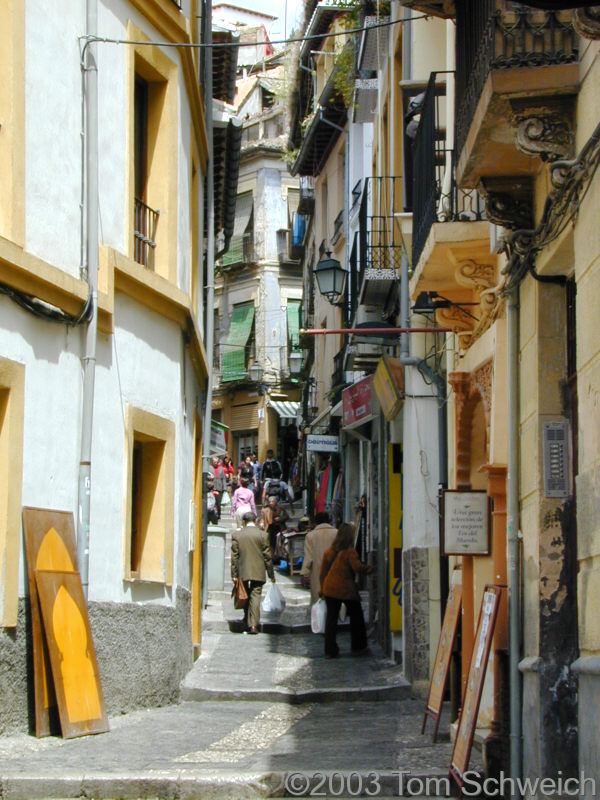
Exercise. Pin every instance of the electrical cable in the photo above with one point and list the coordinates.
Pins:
(43, 310)
(201, 45)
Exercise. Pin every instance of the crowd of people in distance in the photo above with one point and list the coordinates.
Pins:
(242, 489)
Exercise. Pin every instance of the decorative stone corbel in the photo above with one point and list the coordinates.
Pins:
(586, 22)
(508, 201)
(544, 136)
(459, 323)
(544, 127)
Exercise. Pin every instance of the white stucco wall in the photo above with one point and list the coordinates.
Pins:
(420, 442)
(52, 126)
(51, 412)
(147, 376)
(144, 363)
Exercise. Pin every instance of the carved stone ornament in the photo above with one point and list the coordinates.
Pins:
(586, 22)
(475, 276)
(508, 202)
(482, 378)
(548, 136)
(454, 318)
(468, 389)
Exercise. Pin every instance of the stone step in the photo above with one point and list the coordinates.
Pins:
(331, 694)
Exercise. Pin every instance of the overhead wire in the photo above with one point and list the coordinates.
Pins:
(217, 45)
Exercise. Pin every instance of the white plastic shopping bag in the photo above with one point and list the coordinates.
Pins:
(318, 616)
(273, 602)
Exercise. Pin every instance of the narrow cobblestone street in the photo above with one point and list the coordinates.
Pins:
(259, 716)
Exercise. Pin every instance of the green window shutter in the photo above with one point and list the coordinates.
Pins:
(293, 324)
(235, 254)
(233, 361)
(243, 228)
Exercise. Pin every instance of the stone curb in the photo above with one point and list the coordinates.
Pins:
(339, 694)
(190, 784)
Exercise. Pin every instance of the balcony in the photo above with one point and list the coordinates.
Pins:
(144, 233)
(378, 257)
(436, 196)
(306, 203)
(517, 73)
(451, 252)
(325, 124)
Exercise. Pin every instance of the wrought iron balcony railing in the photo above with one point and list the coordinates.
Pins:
(356, 194)
(498, 34)
(380, 238)
(144, 234)
(436, 197)
(338, 379)
(338, 227)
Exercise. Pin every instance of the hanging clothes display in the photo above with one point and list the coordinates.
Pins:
(337, 504)
(361, 528)
(323, 489)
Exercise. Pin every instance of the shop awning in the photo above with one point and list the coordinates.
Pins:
(285, 409)
(233, 360)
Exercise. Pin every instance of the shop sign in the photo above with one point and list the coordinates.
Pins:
(357, 403)
(322, 443)
(466, 529)
(388, 382)
(218, 438)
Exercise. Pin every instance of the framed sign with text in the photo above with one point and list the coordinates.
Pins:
(465, 523)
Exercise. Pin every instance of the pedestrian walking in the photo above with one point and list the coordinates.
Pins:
(273, 519)
(242, 501)
(257, 478)
(251, 562)
(316, 542)
(219, 477)
(211, 501)
(246, 470)
(340, 566)
(271, 471)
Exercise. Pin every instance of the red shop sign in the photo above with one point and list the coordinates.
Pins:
(356, 402)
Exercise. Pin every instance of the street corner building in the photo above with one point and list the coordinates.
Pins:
(103, 367)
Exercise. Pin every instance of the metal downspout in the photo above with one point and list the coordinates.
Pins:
(512, 536)
(210, 271)
(92, 243)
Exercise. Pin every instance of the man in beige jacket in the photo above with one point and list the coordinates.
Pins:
(315, 543)
(250, 560)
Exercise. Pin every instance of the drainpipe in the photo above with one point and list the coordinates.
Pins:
(210, 269)
(92, 243)
(512, 536)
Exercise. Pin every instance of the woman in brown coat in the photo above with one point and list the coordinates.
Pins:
(340, 566)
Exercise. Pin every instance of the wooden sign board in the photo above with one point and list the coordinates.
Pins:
(435, 698)
(72, 654)
(50, 545)
(479, 660)
(465, 523)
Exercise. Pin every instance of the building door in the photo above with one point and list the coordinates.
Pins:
(247, 443)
